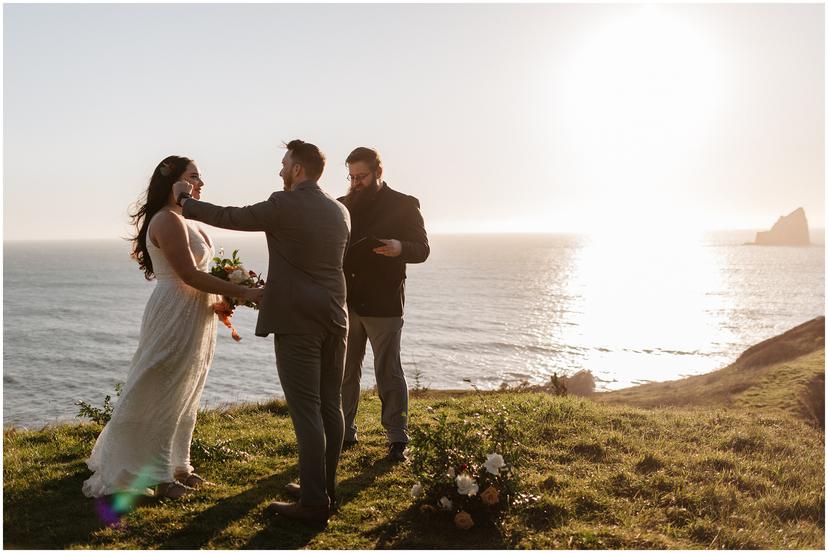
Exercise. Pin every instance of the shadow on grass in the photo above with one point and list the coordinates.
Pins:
(414, 529)
(29, 519)
(281, 533)
(212, 521)
(348, 489)
(285, 534)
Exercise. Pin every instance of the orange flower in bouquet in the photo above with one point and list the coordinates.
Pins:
(233, 271)
(463, 520)
(490, 496)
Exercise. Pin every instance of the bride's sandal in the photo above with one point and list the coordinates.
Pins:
(192, 480)
(173, 490)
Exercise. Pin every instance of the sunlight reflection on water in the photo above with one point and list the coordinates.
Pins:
(645, 296)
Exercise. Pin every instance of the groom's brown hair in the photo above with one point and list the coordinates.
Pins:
(308, 156)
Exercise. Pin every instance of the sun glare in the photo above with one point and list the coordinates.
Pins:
(645, 296)
(640, 96)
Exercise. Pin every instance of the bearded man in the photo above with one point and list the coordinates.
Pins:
(387, 232)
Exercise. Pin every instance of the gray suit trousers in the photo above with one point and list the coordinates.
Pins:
(310, 369)
(384, 333)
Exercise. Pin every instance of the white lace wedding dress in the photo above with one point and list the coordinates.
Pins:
(147, 441)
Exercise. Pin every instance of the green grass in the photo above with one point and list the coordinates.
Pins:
(733, 459)
(784, 374)
(608, 476)
(786, 388)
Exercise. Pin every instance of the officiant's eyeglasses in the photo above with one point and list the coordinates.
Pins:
(351, 178)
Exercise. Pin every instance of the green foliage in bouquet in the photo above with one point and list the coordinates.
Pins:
(99, 415)
(468, 466)
(233, 271)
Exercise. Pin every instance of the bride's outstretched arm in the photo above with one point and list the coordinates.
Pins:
(170, 233)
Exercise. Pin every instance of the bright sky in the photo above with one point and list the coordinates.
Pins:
(499, 118)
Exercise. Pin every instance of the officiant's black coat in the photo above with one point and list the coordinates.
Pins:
(376, 283)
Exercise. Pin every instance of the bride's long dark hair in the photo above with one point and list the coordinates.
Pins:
(165, 175)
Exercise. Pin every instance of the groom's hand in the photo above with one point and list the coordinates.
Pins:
(392, 248)
(181, 186)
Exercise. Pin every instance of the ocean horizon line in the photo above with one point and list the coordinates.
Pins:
(814, 231)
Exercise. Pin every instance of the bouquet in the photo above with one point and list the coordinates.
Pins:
(233, 271)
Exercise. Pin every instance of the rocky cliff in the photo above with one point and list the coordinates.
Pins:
(789, 230)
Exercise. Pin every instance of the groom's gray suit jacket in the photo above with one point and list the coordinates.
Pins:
(307, 232)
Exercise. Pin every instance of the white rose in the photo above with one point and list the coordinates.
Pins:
(446, 503)
(466, 485)
(494, 462)
(416, 490)
(237, 276)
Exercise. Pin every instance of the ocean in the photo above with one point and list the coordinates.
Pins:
(482, 310)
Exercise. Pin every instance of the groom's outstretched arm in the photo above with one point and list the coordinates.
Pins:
(256, 217)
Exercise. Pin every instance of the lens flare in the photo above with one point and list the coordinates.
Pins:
(110, 509)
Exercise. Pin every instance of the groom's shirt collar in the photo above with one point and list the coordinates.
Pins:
(306, 184)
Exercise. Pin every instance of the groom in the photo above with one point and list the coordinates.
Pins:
(304, 308)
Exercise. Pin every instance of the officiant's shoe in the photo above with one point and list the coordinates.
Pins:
(296, 511)
(396, 452)
(295, 491)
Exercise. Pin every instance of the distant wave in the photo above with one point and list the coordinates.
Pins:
(501, 347)
(672, 352)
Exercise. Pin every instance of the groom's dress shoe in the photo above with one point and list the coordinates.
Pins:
(296, 511)
(295, 491)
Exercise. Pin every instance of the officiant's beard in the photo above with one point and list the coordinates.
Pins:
(357, 199)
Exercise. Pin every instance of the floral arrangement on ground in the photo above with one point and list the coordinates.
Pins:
(468, 468)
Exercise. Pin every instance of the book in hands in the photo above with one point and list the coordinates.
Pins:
(367, 243)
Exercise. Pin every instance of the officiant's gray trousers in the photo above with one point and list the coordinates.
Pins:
(384, 333)
(310, 369)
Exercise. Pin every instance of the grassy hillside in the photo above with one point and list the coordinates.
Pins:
(608, 475)
(784, 374)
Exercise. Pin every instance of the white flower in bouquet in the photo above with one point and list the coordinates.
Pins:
(238, 276)
(494, 462)
(416, 490)
(446, 503)
(466, 485)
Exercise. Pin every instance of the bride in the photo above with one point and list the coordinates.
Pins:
(145, 447)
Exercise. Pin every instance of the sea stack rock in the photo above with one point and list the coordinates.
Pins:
(789, 230)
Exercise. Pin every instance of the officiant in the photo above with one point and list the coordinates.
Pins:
(387, 232)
